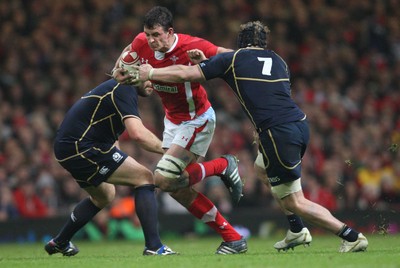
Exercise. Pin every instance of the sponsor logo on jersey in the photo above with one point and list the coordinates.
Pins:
(104, 170)
(117, 157)
(167, 89)
(274, 179)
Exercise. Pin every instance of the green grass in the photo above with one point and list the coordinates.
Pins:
(383, 251)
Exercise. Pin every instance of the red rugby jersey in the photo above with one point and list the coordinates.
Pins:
(181, 101)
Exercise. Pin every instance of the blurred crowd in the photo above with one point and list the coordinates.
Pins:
(344, 58)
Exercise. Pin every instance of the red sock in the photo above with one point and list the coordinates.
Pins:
(203, 209)
(198, 171)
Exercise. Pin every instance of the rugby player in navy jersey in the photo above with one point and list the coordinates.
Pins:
(260, 78)
(86, 145)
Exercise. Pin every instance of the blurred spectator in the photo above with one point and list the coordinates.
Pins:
(8, 210)
(28, 202)
(369, 178)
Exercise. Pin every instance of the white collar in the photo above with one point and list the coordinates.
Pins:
(160, 55)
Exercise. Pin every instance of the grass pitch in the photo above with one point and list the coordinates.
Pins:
(383, 251)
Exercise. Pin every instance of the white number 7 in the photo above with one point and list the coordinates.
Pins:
(267, 65)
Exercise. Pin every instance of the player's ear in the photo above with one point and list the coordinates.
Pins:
(170, 31)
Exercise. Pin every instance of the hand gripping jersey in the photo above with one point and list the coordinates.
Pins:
(181, 101)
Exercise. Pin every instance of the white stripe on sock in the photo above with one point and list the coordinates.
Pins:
(203, 171)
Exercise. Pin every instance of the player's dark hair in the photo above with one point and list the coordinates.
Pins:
(158, 16)
(253, 33)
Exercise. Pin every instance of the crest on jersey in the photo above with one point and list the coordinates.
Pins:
(174, 59)
(117, 157)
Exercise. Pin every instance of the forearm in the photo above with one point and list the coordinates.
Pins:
(149, 142)
(176, 74)
(172, 74)
(143, 136)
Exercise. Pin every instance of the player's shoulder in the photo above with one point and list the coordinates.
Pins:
(141, 37)
(106, 85)
(189, 40)
(140, 41)
(185, 37)
(260, 52)
(101, 89)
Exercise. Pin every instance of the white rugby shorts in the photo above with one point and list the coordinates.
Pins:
(194, 135)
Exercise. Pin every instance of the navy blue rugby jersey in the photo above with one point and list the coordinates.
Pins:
(98, 116)
(261, 80)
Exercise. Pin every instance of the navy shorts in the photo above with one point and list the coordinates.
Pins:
(92, 167)
(283, 147)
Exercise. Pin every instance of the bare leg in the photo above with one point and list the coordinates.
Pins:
(312, 212)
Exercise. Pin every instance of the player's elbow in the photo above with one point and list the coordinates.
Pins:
(136, 136)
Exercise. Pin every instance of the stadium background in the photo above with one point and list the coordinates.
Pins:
(344, 58)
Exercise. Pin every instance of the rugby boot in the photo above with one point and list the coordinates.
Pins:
(70, 250)
(360, 244)
(232, 247)
(293, 240)
(231, 178)
(164, 250)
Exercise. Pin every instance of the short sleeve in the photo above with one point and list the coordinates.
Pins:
(125, 99)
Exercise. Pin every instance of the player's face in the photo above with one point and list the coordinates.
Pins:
(158, 39)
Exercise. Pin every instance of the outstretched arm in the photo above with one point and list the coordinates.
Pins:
(170, 74)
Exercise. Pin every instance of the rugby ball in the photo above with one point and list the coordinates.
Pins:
(128, 60)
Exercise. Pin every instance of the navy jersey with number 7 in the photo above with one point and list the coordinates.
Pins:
(261, 80)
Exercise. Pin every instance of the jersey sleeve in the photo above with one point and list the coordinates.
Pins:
(216, 66)
(208, 48)
(125, 99)
(138, 42)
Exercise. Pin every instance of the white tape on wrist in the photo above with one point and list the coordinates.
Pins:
(151, 74)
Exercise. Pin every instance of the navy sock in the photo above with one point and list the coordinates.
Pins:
(146, 210)
(295, 222)
(348, 234)
(82, 214)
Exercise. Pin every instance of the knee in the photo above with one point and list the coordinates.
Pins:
(169, 175)
(169, 184)
(146, 177)
(105, 199)
(293, 205)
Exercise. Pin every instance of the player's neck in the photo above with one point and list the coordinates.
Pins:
(171, 42)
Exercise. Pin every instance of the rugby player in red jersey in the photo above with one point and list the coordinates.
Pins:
(189, 126)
